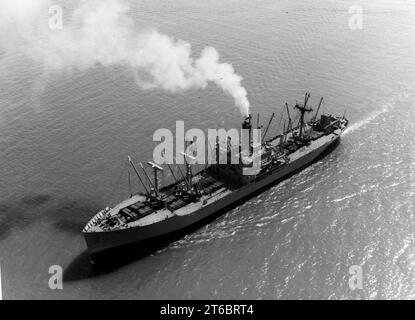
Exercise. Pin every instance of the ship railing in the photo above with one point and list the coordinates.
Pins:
(97, 219)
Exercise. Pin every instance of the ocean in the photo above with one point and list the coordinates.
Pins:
(65, 138)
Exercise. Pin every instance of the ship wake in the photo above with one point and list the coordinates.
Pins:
(368, 119)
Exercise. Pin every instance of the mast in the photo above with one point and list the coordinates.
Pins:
(155, 168)
(290, 126)
(138, 175)
(183, 177)
(269, 123)
(306, 97)
(189, 174)
(303, 110)
(188, 169)
(319, 105)
(282, 136)
(149, 180)
(129, 183)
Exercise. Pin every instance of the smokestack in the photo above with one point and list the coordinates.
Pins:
(247, 124)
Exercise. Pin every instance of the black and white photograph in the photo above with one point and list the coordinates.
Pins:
(219, 151)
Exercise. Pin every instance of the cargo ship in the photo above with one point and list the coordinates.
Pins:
(160, 213)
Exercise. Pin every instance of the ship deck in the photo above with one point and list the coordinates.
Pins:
(135, 212)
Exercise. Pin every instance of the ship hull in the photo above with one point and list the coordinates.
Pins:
(102, 244)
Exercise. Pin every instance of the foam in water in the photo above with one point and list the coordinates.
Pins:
(367, 120)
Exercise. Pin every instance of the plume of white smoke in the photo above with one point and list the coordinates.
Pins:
(100, 32)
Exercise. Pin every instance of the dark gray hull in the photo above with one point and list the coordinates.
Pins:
(100, 242)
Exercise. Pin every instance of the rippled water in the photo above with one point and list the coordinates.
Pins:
(65, 138)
